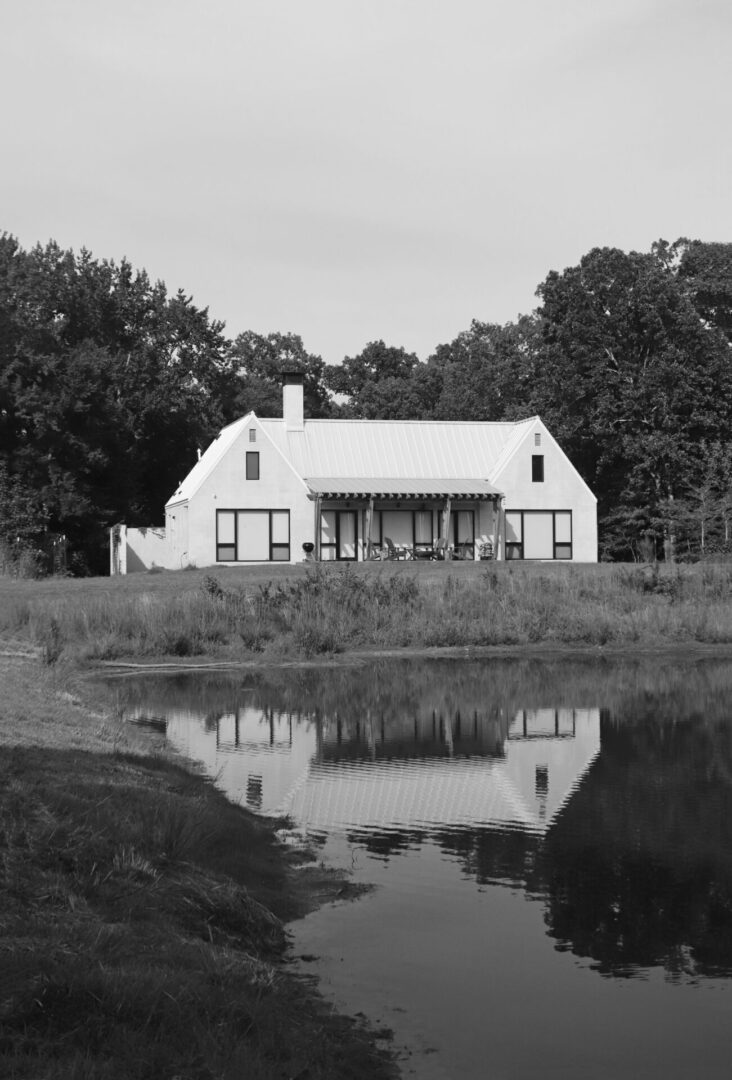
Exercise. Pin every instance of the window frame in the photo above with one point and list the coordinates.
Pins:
(283, 550)
(334, 547)
(537, 468)
(516, 547)
(252, 459)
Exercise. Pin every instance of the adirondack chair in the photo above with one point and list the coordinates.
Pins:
(390, 549)
(396, 551)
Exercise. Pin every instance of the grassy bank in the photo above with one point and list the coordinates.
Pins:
(141, 914)
(305, 611)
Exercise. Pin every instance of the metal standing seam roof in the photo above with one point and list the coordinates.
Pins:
(419, 456)
(408, 450)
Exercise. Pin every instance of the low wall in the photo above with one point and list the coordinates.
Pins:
(134, 550)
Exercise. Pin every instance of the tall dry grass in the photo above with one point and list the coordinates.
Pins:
(327, 609)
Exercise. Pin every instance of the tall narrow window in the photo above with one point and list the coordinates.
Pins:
(514, 534)
(252, 465)
(537, 468)
(252, 434)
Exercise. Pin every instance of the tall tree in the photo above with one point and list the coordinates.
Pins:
(485, 372)
(630, 379)
(375, 383)
(705, 270)
(257, 363)
(107, 385)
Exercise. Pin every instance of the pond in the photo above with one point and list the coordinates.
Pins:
(550, 845)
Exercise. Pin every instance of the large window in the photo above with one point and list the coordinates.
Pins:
(538, 534)
(463, 526)
(537, 468)
(252, 535)
(418, 530)
(338, 535)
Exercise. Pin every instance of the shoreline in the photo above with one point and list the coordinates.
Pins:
(357, 657)
(116, 845)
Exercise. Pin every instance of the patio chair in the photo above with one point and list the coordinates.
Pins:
(390, 549)
(397, 551)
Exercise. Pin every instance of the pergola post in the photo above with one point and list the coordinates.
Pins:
(318, 505)
(446, 525)
(498, 526)
(369, 519)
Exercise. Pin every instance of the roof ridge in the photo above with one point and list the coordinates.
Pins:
(359, 420)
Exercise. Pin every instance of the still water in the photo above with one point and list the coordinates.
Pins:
(550, 846)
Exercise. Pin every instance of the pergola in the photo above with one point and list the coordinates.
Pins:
(368, 490)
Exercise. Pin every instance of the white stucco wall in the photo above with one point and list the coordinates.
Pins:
(562, 489)
(136, 550)
(176, 529)
(227, 488)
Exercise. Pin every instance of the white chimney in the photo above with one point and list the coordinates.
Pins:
(292, 400)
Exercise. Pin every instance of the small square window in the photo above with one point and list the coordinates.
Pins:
(252, 465)
(252, 434)
(537, 468)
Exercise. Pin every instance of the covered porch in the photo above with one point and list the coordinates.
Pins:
(405, 519)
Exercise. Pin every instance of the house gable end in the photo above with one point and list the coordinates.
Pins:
(514, 449)
(214, 454)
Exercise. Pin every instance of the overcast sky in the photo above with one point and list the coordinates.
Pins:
(359, 170)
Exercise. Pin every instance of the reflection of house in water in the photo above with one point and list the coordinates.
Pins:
(256, 756)
(429, 734)
(522, 780)
(419, 771)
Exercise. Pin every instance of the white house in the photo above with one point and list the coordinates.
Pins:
(288, 489)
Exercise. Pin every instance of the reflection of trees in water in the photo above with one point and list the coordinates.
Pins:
(505, 856)
(637, 868)
(384, 843)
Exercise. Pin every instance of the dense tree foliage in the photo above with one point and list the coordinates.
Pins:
(258, 362)
(633, 383)
(109, 385)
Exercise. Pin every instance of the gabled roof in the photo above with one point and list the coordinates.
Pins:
(410, 449)
(423, 457)
(208, 461)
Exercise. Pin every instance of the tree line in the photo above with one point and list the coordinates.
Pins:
(109, 385)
